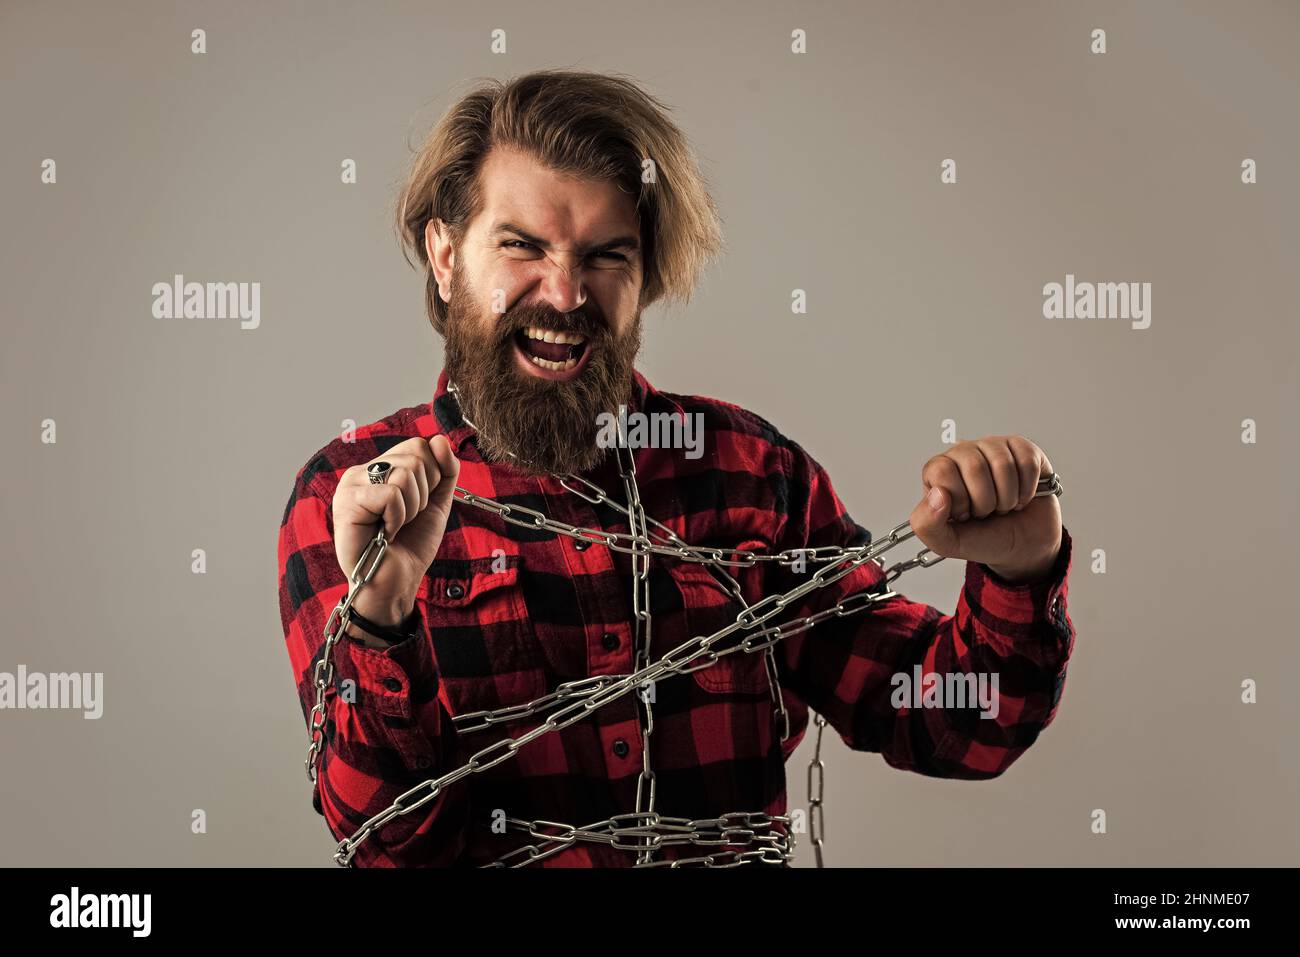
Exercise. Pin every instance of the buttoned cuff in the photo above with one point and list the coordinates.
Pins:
(1020, 611)
(400, 684)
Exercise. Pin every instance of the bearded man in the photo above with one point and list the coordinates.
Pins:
(547, 213)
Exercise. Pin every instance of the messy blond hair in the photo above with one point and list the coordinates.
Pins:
(592, 125)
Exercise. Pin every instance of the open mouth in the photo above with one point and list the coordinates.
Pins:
(551, 354)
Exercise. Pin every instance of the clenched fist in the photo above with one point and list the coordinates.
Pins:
(979, 505)
(412, 508)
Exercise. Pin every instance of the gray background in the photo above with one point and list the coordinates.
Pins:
(924, 303)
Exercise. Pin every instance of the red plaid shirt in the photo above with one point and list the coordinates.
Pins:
(506, 613)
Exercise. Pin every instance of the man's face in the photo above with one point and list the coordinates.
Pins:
(543, 319)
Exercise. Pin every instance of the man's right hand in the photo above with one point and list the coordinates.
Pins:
(412, 507)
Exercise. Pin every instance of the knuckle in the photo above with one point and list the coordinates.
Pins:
(1003, 461)
(941, 464)
(407, 446)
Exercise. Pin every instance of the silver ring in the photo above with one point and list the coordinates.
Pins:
(378, 472)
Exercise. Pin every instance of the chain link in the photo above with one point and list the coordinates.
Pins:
(645, 831)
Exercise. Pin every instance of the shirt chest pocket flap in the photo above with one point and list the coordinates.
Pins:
(487, 654)
(709, 609)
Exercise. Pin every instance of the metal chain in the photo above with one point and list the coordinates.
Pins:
(816, 822)
(645, 783)
(335, 626)
(699, 652)
(738, 829)
(625, 543)
(580, 698)
(692, 655)
(640, 549)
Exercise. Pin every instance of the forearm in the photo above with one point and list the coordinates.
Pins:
(392, 735)
(388, 732)
(384, 728)
(871, 675)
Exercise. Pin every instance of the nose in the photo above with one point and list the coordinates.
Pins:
(562, 281)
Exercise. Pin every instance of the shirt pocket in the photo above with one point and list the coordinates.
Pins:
(487, 654)
(708, 608)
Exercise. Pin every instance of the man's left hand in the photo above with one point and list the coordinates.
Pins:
(987, 512)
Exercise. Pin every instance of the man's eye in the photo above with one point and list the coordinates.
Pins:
(522, 244)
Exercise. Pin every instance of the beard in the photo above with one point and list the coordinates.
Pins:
(548, 425)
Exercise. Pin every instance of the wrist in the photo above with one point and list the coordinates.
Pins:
(1024, 574)
(382, 612)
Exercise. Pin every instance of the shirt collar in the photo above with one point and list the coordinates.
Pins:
(447, 417)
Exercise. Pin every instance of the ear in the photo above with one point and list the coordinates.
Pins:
(441, 253)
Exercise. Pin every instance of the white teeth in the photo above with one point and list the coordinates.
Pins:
(554, 366)
(550, 335)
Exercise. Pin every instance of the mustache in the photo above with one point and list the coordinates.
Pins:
(579, 322)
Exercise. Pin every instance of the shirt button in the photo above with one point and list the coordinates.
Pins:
(455, 590)
(422, 762)
(392, 684)
(609, 641)
(620, 748)
(581, 544)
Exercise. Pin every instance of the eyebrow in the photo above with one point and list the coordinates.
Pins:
(618, 242)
